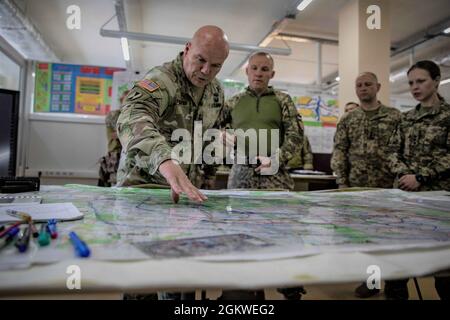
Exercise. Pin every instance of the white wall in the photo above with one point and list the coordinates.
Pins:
(65, 151)
(9, 73)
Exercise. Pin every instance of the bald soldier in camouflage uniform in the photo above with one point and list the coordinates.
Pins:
(361, 141)
(172, 96)
(262, 107)
(361, 147)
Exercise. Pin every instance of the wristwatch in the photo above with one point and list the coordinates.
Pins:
(421, 179)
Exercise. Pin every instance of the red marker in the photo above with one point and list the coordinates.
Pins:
(2, 234)
(51, 228)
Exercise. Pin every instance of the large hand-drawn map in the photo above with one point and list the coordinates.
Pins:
(130, 223)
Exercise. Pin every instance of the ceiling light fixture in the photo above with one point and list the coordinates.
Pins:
(125, 49)
(293, 39)
(303, 5)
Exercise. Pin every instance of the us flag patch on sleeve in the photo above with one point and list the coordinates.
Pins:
(148, 85)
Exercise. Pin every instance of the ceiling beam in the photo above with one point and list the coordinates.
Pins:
(122, 22)
(420, 37)
(182, 41)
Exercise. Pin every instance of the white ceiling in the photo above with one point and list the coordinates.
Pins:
(244, 21)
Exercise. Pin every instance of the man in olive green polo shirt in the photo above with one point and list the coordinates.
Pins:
(267, 111)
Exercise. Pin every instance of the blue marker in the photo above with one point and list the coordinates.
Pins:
(10, 237)
(51, 227)
(23, 240)
(80, 246)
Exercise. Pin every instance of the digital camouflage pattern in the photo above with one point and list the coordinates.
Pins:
(111, 132)
(110, 162)
(361, 148)
(108, 169)
(421, 145)
(162, 102)
(304, 159)
(291, 135)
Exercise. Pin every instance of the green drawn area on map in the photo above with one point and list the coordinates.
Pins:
(115, 216)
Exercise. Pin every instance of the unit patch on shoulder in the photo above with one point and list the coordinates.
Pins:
(148, 85)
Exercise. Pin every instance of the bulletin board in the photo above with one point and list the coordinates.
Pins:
(68, 88)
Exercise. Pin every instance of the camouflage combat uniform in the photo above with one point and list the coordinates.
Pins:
(157, 105)
(110, 162)
(304, 159)
(361, 148)
(421, 145)
(272, 110)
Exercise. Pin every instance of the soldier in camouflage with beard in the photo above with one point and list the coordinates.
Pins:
(172, 96)
(420, 155)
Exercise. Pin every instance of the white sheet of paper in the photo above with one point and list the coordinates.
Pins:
(42, 212)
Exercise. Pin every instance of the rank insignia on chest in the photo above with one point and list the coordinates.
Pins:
(148, 85)
(216, 103)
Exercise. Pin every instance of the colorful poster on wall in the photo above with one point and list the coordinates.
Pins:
(73, 88)
(320, 115)
(42, 88)
(122, 83)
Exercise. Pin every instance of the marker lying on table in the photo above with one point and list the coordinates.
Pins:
(11, 234)
(4, 232)
(51, 227)
(19, 214)
(33, 229)
(44, 237)
(26, 218)
(80, 246)
(23, 240)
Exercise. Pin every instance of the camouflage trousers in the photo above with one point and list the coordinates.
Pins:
(108, 169)
(245, 177)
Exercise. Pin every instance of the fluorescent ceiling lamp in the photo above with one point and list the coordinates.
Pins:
(293, 39)
(445, 81)
(447, 30)
(266, 41)
(397, 76)
(125, 49)
(303, 5)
